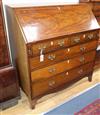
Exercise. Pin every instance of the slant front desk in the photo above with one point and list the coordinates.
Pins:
(56, 46)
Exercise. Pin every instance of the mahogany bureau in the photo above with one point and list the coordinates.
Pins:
(55, 45)
(9, 89)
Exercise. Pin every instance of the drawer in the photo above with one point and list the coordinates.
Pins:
(51, 45)
(54, 57)
(47, 46)
(45, 85)
(77, 39)
(62, 66)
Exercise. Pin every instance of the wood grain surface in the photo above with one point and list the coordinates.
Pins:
(62, 66)
(45, 85)
(4, 52)
(55, 56)
(8, 84)
(40, 23)
(51, 32)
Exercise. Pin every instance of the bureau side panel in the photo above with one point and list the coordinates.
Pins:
(21, 54)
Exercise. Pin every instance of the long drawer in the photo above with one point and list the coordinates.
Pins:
(34, 49)
(62, 66)
(45, 85)
(56, 56)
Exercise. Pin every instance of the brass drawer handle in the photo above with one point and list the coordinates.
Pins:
(51, 57)
(80, 71)
(52, 83)
(51, 70)
(61, 43)
(42, 47)
(77, 40)
(90, 36)
(82, 49)
(82, 59)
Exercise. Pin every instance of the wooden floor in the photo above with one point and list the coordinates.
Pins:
(51, 100)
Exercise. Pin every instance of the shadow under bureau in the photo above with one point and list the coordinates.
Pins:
(55, 45)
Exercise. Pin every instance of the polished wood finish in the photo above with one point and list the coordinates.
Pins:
(62, 66)
(67, 76)
(22, 61)
(39, 26)
(49, 45)
(4, 53)
(62, 42)
(55, 56)
(8, 85)
(9, 89)
(53, 42)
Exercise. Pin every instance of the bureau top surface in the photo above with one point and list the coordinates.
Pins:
(40, 23)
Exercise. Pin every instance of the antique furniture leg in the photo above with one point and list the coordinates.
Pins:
(90, 76)
(33, 103)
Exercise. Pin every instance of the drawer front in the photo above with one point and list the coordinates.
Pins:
(47, 46)
(54, 57)
(62, 66)
(51, 45)
(45, 85)
(84, 37)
